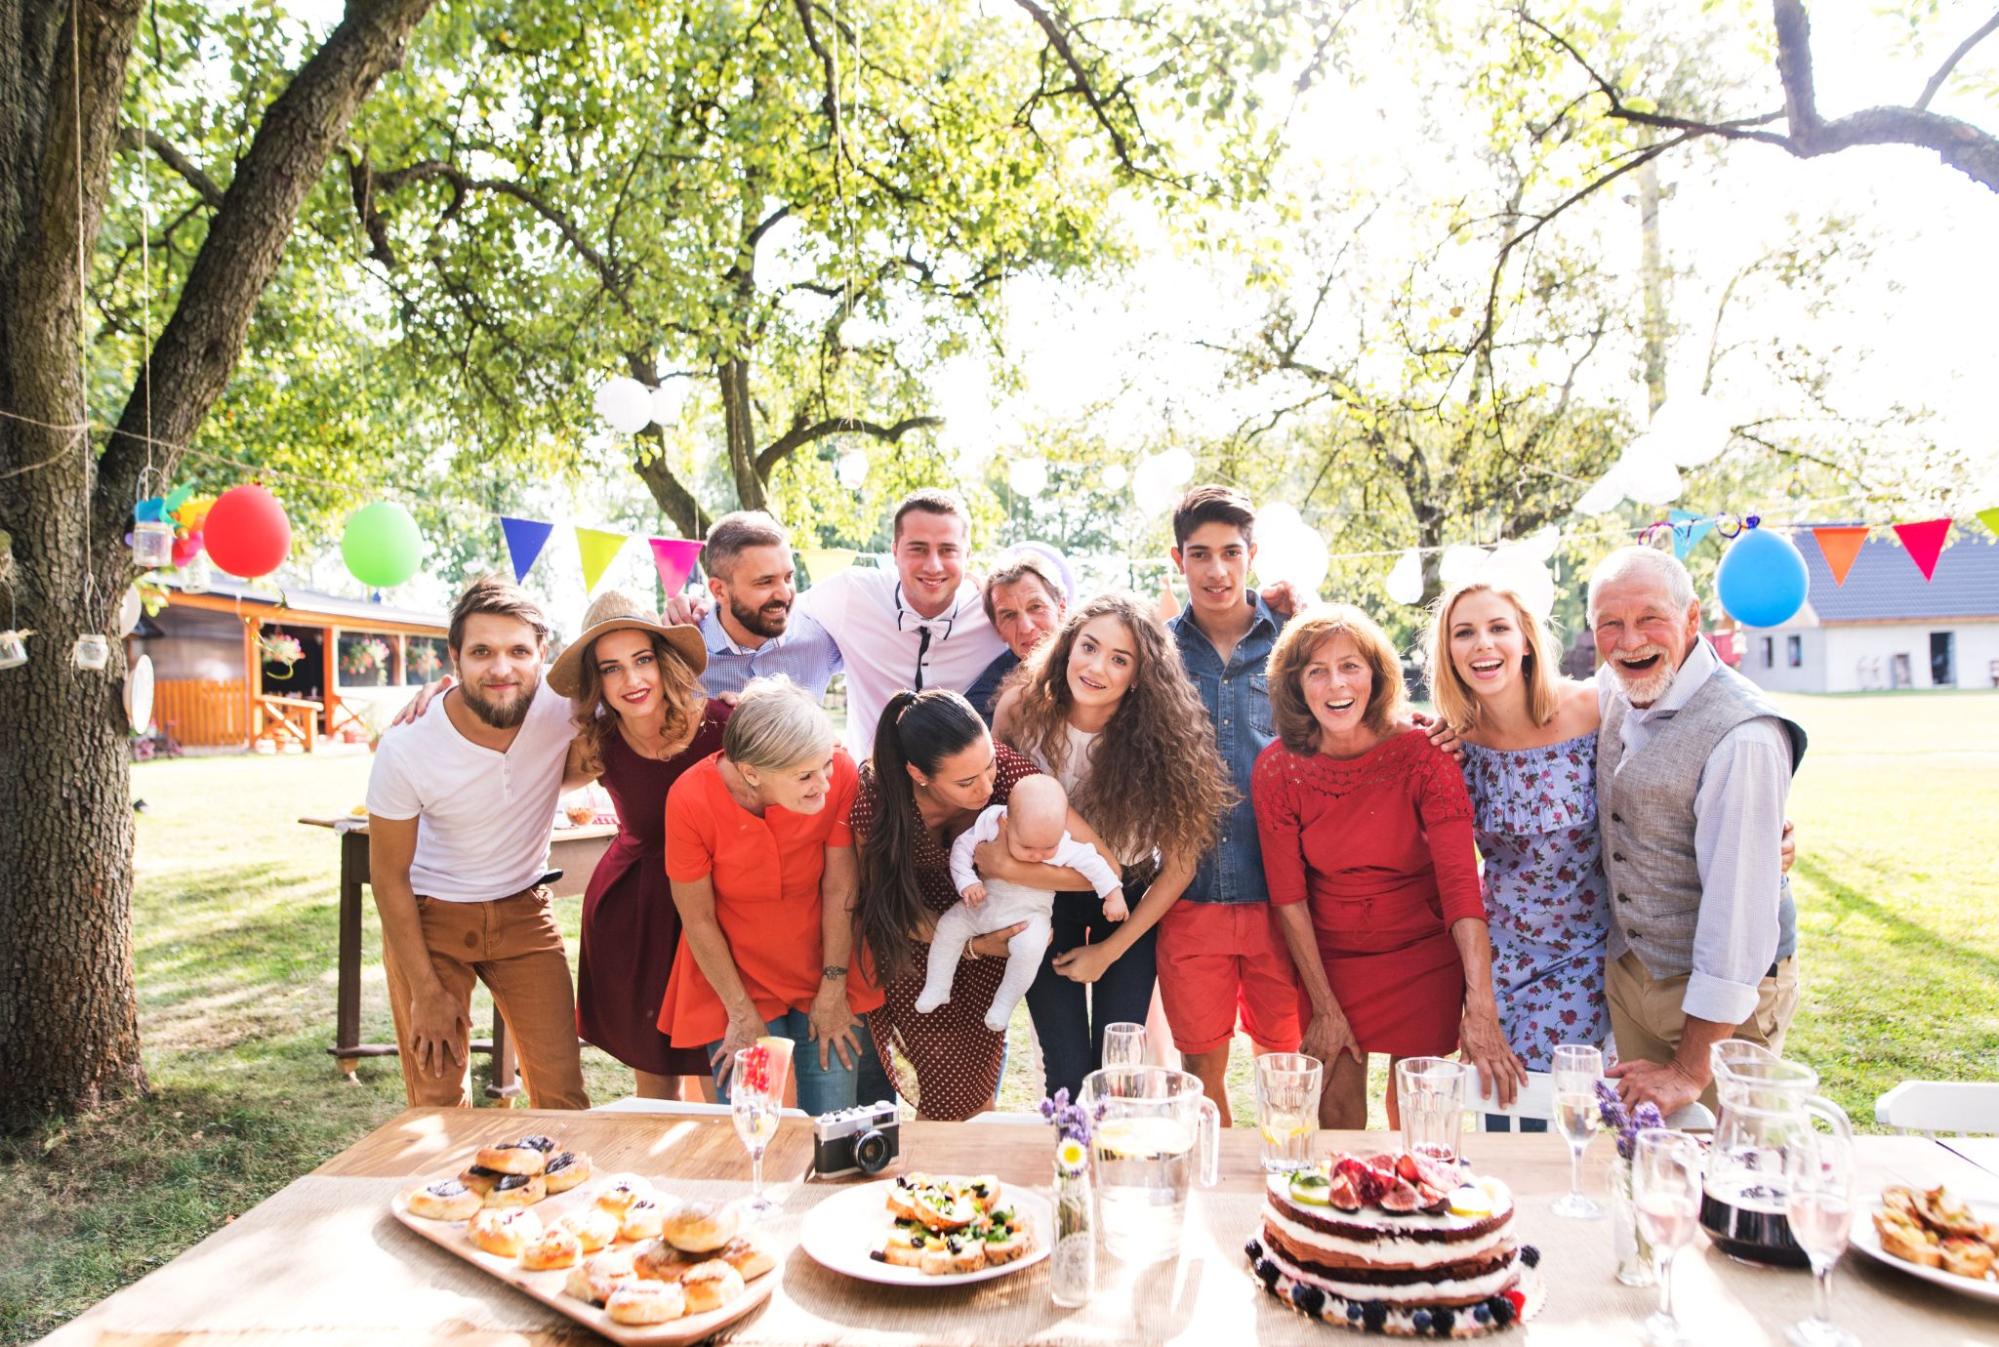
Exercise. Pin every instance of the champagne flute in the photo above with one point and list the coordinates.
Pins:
(756, 1093)
(1577, 1069)
(1666, 1193)
(1818, 1202)
(1124, 1045)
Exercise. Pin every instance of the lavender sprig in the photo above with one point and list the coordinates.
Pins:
(1071, 1120)
(1626, 1124)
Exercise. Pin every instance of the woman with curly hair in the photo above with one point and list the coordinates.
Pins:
(1105, 707)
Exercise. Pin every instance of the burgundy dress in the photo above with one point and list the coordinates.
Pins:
(631, 929)
(946, 1063)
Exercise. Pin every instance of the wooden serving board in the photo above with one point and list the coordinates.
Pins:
(454, 1237)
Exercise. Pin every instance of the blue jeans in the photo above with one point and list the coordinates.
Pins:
(1499, 1122)
(829, 1088)
(1070, 1017)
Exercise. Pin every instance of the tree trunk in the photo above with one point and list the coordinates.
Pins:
(689, 519)
(68, 1009)
(739, 420)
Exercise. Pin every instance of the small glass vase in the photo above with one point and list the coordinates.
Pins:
(1634, 1254)
(1072, 1263)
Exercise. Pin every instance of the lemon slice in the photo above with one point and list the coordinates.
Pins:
(1310, 1189)
(1470, 1200)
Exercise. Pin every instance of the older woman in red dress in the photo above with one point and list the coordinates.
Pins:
(1367, 845)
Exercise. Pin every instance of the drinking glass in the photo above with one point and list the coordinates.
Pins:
(1430, 1092)
(1577, 1069)
(1818, 1202)
(756, 1093)
(1124, 1045)
(1287, 1109)
(1666, 1193)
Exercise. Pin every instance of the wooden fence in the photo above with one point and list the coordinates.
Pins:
(201, 714)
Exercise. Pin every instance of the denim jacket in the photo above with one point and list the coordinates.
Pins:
(1238, 702)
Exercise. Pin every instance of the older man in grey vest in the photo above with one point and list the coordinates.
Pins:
(1693, 767)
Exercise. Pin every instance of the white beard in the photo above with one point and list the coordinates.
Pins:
(1651, 687)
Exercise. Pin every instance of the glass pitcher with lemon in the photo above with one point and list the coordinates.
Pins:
(1155, 1134)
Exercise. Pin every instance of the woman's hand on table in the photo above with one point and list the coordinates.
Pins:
(744, 1031)
(420, 703)
(993, 944)
(1327, 1036)
(832, 1025)
(1482, 1044)
(1085, 963)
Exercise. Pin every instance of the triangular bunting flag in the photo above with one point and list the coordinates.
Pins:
(675, 559)
(525, 539)
(1688, 529)
(1925, 543)
(1841, 546)
(1990, 518)
(823, 563)
(599, 549)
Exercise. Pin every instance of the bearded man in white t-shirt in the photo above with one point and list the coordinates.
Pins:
(459, 810)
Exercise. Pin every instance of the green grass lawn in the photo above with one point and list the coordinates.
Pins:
(234, 937)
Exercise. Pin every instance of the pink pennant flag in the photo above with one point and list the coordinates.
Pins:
(1925, 543)
(675, 559)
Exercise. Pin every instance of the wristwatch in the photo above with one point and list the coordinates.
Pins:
(833, 970)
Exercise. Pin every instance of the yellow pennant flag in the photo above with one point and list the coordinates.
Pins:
(598, 549)
(823, 563)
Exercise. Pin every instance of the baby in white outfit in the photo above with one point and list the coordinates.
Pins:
(1035, 833)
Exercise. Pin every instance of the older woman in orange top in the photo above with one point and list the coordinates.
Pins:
(761, 863)
(1367, 845)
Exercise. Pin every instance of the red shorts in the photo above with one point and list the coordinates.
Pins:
(1218, 960)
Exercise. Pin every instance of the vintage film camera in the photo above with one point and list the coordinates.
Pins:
(862, 1140)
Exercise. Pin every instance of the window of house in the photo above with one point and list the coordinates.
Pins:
(1769, 652)
(1794, 651)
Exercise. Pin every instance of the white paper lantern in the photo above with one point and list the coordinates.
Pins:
(1151, 491)
(1541, 543)
(625, 405)
(130, 609)
(1650, 481)
(857, 332)
(852, 468)
(1515, 566)
(1605, 494)
(667, 400)
(1115, 477)
(139, 693)
(1460, 564)
(1028, 476)
(1691, 429)
(1405, 581)
(1176, 466)
(1289, 549)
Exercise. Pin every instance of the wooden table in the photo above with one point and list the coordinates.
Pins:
(323, 1261)
(572, 854)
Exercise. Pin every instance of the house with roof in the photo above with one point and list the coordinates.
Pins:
(238, 665)
(1886, 627)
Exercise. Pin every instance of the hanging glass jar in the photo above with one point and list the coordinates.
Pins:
(14, 648)
(91, 651)
(153, 543)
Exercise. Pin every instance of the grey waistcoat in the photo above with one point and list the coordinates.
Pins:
(1646, 814)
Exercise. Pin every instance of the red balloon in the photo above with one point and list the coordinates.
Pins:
(246, 532)
(188, 548)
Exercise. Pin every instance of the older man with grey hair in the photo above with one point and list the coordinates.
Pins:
(1693, 768)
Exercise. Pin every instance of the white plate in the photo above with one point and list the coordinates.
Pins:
(841, 1232)
(1868, 1241)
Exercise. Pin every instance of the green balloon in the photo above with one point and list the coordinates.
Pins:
(382, 545)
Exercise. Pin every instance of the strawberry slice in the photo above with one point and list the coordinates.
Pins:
(1408, 1167)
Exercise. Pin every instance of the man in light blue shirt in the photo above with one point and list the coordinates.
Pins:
(751, 631)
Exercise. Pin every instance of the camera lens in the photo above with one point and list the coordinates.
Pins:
(871, 1151)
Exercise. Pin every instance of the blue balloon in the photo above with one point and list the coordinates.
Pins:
(1762, 581)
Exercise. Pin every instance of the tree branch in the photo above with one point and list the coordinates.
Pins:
(464, 183)
(802, 434)
(1058, 38)
(1985, 30)
(132, 138)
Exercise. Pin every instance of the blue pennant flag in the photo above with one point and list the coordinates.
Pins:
(525, 539)
(1689, 528)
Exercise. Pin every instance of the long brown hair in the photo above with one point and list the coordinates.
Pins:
(596, 720)
(1156, 777)
(918, 729)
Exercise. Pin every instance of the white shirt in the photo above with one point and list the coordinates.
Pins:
(1069, 853)
(882, 645)
(483, 817)
(1738, 842)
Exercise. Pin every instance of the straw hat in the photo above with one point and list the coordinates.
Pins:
(612, 611)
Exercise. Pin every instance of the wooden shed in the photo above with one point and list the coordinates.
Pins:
(221, 680)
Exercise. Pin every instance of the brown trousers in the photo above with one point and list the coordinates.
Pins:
(1647, 1019)
(514, 946)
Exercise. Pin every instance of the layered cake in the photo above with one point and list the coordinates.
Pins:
(1396, 1244)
